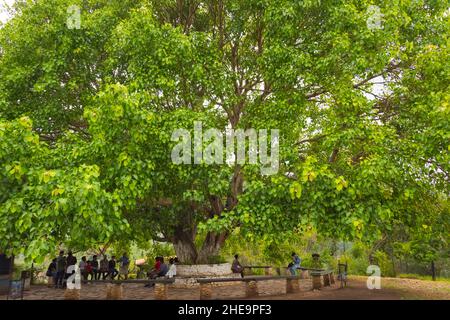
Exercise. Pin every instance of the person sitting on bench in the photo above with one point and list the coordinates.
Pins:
(124, 265)
(104, 267)
(236, 267)
(89, 271)
(95, 269)
(155, 269)
(163, 268)
(51, 273)
(159, 270)
(112, 268)
(316, 261)
(82, 267)
(172, 269)
(295, 264)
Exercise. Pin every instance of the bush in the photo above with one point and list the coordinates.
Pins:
(385, 264)
(356, 266)
(357, 251)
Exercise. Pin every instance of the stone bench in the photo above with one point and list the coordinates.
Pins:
(310, 269)
(114, 288)
(304, 274)
(251, 284)
(326, 275)
(267, 269)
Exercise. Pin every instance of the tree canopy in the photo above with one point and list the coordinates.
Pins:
(87, 115)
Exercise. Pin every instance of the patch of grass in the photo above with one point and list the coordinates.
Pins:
(421, 277)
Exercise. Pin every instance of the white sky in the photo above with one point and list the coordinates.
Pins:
(3, 14)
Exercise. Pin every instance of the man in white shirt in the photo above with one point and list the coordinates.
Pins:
(172, 268)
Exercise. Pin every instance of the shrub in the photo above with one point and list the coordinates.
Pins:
(385, 264)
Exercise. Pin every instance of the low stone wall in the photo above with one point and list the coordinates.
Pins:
(249, 289)
(204, 270)
(272, 287)
(181, 282)
(305, 284)
(187, 274)
(279, 287)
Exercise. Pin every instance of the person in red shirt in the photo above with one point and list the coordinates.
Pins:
(89, 270)
(152, 274)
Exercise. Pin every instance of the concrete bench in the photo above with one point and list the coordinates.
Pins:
(304, 274)
(310, 269)
(114, 288)
(251, 284)
(326, 275)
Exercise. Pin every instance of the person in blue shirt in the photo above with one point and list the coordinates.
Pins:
(124, 264)
(295, 264)
(112, 268)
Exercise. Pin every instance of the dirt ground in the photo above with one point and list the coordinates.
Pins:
(391, 289)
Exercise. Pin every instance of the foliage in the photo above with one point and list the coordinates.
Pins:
(86, 118)
(44, 204)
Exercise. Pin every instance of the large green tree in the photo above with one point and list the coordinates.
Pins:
(362, 111)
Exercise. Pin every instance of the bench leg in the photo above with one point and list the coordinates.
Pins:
(292, 285)
(72, 294)
(326, 280)
(332, 278)
(268, 271)
(317, 283)
(50, 282)
(114, 291)
(160, 291)
(251, 289)
(205, 291)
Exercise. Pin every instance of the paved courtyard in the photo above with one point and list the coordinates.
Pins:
(392, 289)
(97, 291)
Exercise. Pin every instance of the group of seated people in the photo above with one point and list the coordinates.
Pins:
(161, 269)
(63, 266)
(103, 269)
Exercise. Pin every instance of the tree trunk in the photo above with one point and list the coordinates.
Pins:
(433, 271)
(183, 243)
(392, 257)
(32, 273)
(187, 253)
(378, 244)
(185, 233)
(393, 266)
(211, 247)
